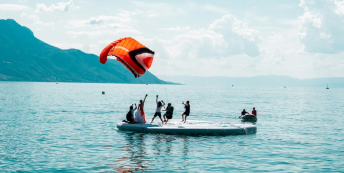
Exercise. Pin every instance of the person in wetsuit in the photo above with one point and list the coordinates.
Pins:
(187, 111)
(130, 114)
(169, 113)
(244, 112)
(159, 105)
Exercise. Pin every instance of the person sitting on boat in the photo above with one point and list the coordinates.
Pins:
(187, 111)
(243, 113)
(130, 114)
(140, 116)
(254, 112)
(169, 113)
(159, 105)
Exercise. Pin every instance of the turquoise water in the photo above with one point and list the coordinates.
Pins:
(70, 127)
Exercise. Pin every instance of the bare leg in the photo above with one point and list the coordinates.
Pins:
(185, 119)
(182, 117)
(166, 121)
(162, 122)
(152, 120)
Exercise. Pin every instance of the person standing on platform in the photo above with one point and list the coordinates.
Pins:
(140, 114)
(187, 111)
(159, 105)
(169, 113)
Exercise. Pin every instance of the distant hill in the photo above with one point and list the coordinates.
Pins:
(257, 81)
(23, 57)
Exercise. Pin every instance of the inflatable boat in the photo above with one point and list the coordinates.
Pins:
(190, 128)
(248, 117)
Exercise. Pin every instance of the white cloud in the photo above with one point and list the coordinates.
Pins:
(225, 37)
(226, 42)
(13, 7)
(238, 36)
(339, 7)
(321, 26)
(59, 7)
(35, 18)
(96, 21)
(314, 18)
(83, 23)
(324, 35)
(197, 44)
(229, 22)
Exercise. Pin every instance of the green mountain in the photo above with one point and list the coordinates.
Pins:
(23, 57)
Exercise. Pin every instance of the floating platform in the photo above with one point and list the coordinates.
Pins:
(191, 128)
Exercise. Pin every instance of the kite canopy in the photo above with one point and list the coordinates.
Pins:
(135, 56)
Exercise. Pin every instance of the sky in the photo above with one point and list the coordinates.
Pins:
(297, 38)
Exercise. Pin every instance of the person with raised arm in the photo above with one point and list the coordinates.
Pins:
(159, 105)
(140, 116)
(187, 111)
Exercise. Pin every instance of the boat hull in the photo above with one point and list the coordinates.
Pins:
(248, 117)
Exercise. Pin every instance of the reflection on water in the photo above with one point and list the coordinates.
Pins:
(135, 157)
(140, 149)
(186, 146)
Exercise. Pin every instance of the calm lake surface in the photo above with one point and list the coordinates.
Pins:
(71, 127)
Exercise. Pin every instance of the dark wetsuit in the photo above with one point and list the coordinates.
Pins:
(130, 116)
(243, 112)
(187, 110)
(169, 112)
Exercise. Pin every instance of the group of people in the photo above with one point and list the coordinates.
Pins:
(254, 112)
(140, 116)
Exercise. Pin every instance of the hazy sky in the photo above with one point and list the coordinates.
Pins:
(303, 39)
